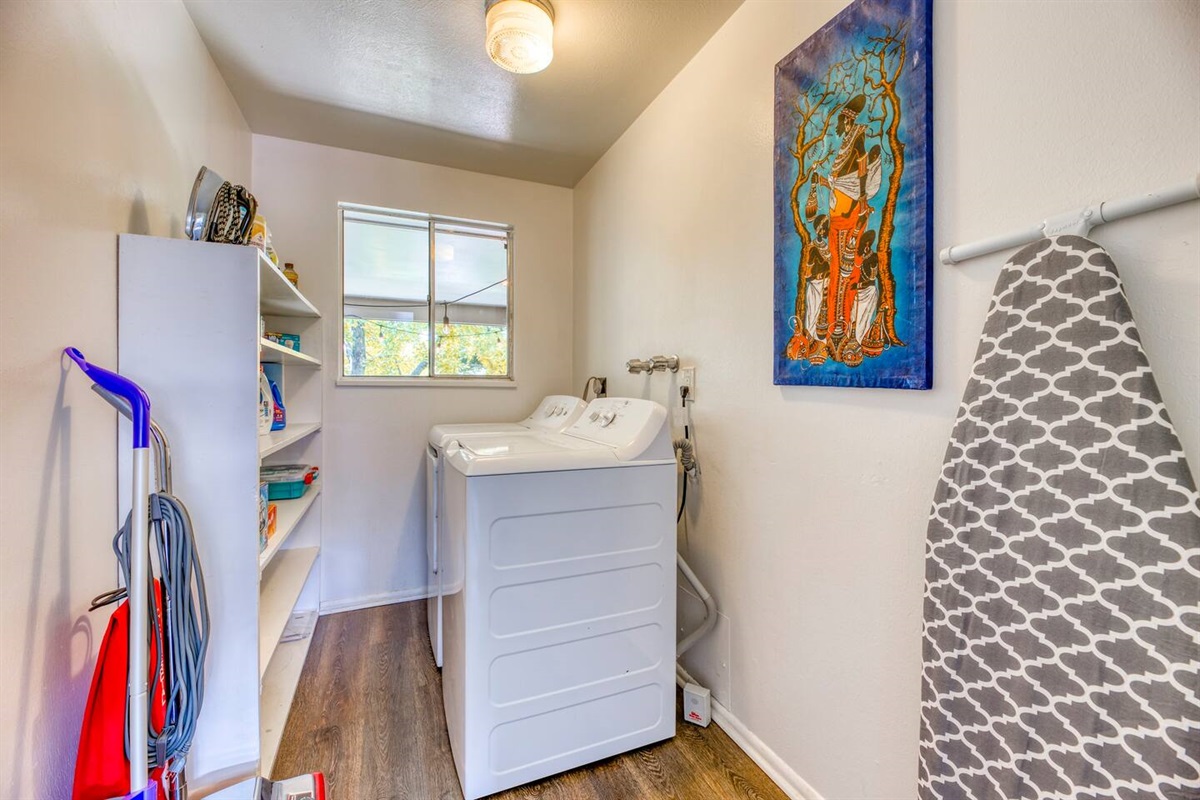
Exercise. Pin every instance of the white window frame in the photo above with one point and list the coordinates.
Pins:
(508, 381)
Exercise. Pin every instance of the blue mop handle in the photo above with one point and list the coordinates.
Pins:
(139, 401)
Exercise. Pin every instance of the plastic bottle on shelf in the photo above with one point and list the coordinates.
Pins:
(266, 409)
(289, 272)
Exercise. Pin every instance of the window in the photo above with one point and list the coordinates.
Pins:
(425, 297)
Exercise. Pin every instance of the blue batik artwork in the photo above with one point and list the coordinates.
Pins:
(854, 200)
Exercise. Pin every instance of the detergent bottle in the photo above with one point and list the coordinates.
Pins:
(278, 412)
(266, 410)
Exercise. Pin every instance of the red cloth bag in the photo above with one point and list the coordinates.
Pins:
(101, 768)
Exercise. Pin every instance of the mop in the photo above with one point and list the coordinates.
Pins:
(1061, 631)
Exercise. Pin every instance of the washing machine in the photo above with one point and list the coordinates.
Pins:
(559, 595)
(555, 413)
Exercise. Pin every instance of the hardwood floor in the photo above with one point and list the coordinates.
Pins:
(368, 713)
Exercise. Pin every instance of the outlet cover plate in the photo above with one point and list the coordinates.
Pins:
(687, 377)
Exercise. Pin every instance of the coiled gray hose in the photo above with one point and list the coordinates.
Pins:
(185, 625)
(687, 456)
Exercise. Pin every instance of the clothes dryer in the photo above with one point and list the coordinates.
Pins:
(555, 413)
(559, 582)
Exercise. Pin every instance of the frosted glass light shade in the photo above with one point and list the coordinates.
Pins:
(520, 35)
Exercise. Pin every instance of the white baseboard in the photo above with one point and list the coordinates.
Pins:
(777, 770)
(373, 600)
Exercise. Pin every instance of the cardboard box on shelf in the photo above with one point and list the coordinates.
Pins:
(263, 504)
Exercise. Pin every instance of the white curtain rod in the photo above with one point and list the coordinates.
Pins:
(1078, 223)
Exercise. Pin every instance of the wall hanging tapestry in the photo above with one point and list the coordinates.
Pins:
(853, 201)
(1062, 565)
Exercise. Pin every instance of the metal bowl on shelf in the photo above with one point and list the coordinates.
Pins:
(199, 212)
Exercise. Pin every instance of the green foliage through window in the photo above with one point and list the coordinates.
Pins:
(382, 348)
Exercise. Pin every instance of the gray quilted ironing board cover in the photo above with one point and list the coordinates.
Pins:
(1062, 558)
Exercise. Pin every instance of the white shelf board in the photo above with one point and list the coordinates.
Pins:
(275, 441)
(276, 294)
(278, 690)
(288, 514)
(274, 353)
(280, 588)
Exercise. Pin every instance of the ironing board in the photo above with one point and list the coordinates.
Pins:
(1062, 602)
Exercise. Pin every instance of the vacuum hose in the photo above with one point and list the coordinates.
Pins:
(185, 625)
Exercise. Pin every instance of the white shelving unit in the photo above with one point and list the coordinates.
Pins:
(282, 583)
(289, 514)
(277, 295)
(271, 443)
(273, 353)
(204, 300)
(279, 686)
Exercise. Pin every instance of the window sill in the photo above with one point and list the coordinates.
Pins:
(400, 382)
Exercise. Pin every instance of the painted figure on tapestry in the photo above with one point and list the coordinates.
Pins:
(852, 201)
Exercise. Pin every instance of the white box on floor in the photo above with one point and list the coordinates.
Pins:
(697, 705)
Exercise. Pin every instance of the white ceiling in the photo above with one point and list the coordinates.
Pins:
(410, 78)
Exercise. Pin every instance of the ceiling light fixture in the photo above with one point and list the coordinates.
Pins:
(520, 34)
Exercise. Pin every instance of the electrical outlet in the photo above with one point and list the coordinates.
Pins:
(687, 377)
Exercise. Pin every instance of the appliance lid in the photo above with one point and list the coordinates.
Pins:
(555, 413)
(512, 454)
(633, 427)
(501, 446)
(612, 432)
(440, 435)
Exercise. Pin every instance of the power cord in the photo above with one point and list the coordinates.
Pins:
(185, 625)
(685, 450)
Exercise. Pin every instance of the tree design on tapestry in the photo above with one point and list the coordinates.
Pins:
(851, 238)
(845, 298)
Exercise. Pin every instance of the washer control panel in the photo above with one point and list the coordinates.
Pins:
(624, 423)
(555, 413)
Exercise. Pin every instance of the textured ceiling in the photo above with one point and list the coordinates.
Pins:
(410, 78)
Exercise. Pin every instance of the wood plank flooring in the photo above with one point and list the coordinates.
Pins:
(368, 713)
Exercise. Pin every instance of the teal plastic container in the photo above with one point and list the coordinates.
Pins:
(288, 481)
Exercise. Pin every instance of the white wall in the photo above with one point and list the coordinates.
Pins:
(373, 534)
(106, 112)
(810, 521)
